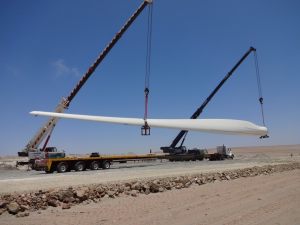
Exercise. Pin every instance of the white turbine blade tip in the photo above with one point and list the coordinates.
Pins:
(34, 113)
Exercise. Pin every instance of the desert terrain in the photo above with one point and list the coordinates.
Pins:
(231, 193)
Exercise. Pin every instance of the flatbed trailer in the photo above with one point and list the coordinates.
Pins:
(66, 164)
(95, 161)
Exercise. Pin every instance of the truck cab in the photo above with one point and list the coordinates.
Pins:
(225, 152)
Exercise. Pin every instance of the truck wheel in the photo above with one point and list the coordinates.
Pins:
(94, 165)
(79, 166)
(62, 167)
(106, 165)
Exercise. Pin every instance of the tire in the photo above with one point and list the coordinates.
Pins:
(94, 165)
(105, 165)
(62, 167)
(79, 166)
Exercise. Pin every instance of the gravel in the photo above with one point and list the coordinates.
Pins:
(22, 204)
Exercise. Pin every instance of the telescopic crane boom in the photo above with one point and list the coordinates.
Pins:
(172, 149)
(48, 127)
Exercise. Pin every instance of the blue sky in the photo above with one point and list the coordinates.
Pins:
(46, 46)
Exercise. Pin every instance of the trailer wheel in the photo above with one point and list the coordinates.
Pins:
(79, 166)
(105, 165)
(62, 167)
(94, 165)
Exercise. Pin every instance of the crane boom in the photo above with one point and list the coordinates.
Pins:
(45, 130)
(106, 51)
(172, 148)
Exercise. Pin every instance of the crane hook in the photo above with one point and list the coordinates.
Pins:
(145, 129)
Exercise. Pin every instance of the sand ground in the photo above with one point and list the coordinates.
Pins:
(23, 181)
(268, 199)
(272, 199)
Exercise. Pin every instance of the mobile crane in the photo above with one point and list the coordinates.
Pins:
(172, 152)
(44, 133)
(180, 153)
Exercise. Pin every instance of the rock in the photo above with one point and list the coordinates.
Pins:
(40, 192)
(200, 181)
(100, 190)
(187, 184)
(86, 202)
(168, 186)
(147, 191)
(23, 214)
(121, 189)
(24, 207)
(95, 200)
(179, 186)
(3, 204)
(110, 194)
(136, 186)
(67, 197)
(154, 187)
(127, 188)
(2, 210)
(13, 208)
(157, 182)
(127, 184)
(217, 177)
(65, 194)
(52, 202)
(69, 200)
(65, 206)
(209, 178)
(185, 180)
(145, 186)
(81, 194)
(25, 199)
(134, 193)
(52, 193)
(44, 197)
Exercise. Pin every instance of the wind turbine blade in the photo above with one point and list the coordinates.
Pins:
(225, 126)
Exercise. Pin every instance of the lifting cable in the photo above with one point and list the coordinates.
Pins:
(260, 95)
(145, 130)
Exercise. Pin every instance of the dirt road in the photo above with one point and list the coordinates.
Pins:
(272, 199)
(23, 181)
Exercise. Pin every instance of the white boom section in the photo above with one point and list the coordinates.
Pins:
(225, 126)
